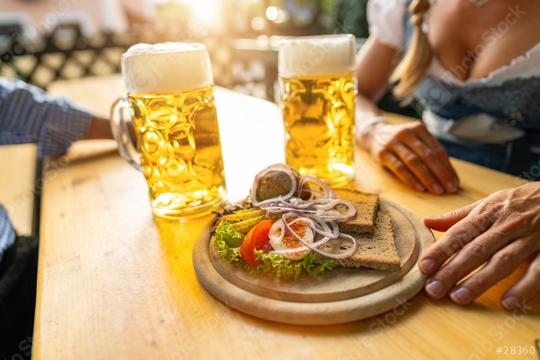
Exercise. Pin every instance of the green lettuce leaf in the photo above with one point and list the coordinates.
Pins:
(232, 255)
(276, 264)
(226, 232)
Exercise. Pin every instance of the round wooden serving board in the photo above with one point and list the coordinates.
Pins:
(342, 295)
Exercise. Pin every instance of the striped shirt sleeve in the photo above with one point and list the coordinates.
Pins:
(7, 234)
(29, 115)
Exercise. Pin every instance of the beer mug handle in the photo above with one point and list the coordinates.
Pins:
(120, 117)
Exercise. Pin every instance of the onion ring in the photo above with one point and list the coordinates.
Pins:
(278, 225)
(327, 191)
(322, 208)
(314, 246)
(318, 212)
(278, 168)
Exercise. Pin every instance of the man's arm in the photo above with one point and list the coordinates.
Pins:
(30, 115)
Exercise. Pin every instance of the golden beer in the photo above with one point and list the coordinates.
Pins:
(180, 149)
(318, 113)
(318, 101)
(171, 105)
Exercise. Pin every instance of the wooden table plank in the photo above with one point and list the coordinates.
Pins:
(114, 283)
(18, 168)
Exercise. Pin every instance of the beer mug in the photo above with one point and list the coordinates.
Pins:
(170, 105)
(316, 75)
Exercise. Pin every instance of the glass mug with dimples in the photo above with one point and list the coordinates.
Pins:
(316, 75)
(170, 104)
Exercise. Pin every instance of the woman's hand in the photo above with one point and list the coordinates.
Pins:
(412, 154)
(502, 232)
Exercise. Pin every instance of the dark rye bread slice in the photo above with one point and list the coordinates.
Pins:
(366, 211)
(376, 251)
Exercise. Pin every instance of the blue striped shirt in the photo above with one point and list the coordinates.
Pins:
(7, 234)
(29, 115)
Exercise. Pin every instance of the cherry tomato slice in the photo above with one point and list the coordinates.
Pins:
(260, 234)
(246, 249)
(256, 239)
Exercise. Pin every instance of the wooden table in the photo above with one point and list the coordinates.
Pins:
(115, 284)
(18, 169)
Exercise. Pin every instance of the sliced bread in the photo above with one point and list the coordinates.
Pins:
(376, 251)
(366, 211)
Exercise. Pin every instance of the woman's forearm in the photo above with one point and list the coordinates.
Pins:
(368, 116)
(366, 108)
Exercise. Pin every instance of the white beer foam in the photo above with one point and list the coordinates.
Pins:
(166, 67)
(316, 55)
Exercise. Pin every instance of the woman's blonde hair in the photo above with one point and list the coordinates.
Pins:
(416, 61)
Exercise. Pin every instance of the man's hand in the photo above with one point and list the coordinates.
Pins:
(100, 128)
(497, 234)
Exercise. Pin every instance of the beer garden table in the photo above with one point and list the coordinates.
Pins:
(18, 185)
(114, 283)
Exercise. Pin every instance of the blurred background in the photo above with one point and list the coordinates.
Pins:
(42, 41)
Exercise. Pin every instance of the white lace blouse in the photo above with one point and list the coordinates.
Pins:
(386, 23)
(386, 20)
